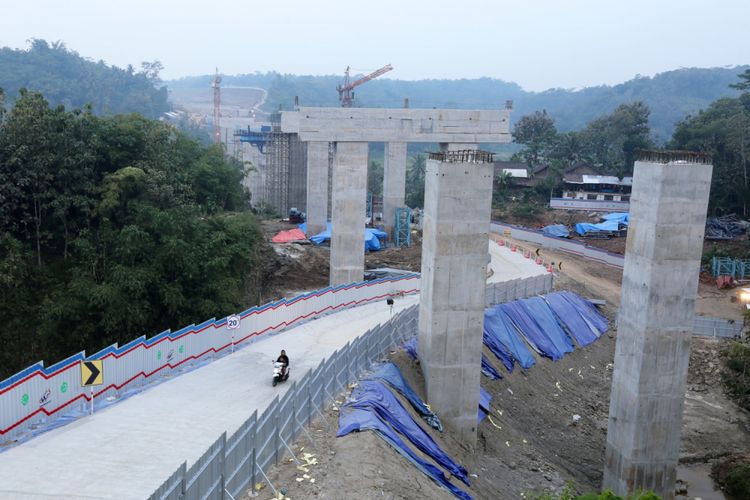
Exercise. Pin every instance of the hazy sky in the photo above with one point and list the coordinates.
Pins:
(536, 43)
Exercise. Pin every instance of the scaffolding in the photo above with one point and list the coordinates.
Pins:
(283, 174)
(402, 229)
(738, 269)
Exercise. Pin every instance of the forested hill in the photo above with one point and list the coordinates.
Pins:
(64, 77)
(671, 95)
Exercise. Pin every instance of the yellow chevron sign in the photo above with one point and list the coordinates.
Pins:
(92, 373)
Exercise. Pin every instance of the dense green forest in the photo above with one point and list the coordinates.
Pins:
(671, 95)
(111, 228)
(609, 144)
(66, 78)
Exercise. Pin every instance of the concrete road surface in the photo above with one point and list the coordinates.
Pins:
(127, 450)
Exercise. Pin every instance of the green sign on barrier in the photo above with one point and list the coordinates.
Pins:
(158, 354)
(64, 387)
(25, 399)
(182, 349)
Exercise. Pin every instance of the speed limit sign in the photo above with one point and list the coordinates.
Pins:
(233, 322)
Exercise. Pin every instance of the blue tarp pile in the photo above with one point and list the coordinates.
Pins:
(549, 324)
(372, 237)
(621, 217)
(372, 406)
(355, 420)
(556, 231)
(390, 374)
(488, 370)
(612, 222)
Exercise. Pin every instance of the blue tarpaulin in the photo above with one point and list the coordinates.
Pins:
(582, 331)
(484, 404)
(411, 346)
(372, 237)
(531, 331)
(543, 316)
(588, 311)
(502, 339)
(622, 218)
(375, 396)
(355, 420)
(556, 231)
(488, 370)
(390, 374)
(612, 222)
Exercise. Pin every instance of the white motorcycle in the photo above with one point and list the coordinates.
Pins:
(280, 372)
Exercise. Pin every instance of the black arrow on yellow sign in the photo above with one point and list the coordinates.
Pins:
(92, 372)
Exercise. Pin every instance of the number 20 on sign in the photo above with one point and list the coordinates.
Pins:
(233, 323)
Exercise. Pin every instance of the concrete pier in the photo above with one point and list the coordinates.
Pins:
(454, 270)
(317, 187)
(349, 211)
(394, 183)
(659, 287)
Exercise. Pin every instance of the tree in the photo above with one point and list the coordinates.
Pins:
(723, 131)
(113, 227)
(66, 78)
(375, 178)
(745, 83)
(415, 178)
(609, 142)
(537, 132)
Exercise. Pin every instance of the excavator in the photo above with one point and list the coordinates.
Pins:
(346, 96)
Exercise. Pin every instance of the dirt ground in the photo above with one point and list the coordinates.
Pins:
(531, 442)
(291, 268)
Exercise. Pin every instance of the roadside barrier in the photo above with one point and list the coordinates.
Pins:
(36, 397)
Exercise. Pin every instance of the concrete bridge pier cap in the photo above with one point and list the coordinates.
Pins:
(659, 287)
(458, 195)
(351, 129)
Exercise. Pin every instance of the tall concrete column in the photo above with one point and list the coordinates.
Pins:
(394, 183)
(657, 306)
(454, 272)
(317, 187)
(349, 211)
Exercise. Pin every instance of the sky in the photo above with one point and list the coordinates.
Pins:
(539, 44)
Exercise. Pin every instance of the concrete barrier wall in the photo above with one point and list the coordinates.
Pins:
(39, 395)
(596, 205)
(572, 247)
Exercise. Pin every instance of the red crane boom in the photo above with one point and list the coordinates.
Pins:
(346, 96)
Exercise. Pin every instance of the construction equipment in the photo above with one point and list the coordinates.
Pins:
(346, 96)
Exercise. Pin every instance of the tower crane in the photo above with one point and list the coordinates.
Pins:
(346, 96)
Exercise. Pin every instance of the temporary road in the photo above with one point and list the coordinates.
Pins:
(125, 451)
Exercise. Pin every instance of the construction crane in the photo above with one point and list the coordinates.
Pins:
(346, 96)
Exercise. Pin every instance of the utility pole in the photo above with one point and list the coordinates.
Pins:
(216, 85)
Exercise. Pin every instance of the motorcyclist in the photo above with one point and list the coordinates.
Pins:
(284, 359)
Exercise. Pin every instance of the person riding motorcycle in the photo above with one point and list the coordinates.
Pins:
(283, 358)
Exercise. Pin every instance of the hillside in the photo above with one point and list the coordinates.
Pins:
(671, 95)
(64, 77)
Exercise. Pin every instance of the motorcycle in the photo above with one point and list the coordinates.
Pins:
(280, 373)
